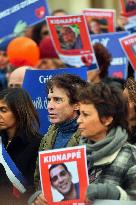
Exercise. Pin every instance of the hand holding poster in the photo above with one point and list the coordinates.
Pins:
(100, 20)
(71, 39)
(128, 44)
(64, 176)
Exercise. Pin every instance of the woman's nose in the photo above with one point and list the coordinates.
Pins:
(79, 119)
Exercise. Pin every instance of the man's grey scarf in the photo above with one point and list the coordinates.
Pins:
(114, 140)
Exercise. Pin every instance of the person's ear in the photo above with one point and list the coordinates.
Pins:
(107, 120)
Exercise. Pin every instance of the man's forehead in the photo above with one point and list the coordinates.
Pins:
(56, 170)
(67, 29)
(55, 90)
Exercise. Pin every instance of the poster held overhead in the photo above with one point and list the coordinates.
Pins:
(100, 20)
(128, 9)
(17, 15)
(71, 40)
(128, 44)
(119, 65)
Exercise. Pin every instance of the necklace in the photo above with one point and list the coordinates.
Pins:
(9, 141)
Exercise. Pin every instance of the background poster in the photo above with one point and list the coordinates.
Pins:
(131, 25)
(100, 20)
(118, 67)
(74, 159)
(128, 44)
(35, 84)
(128, 7)
(71, 39)
(16, 15)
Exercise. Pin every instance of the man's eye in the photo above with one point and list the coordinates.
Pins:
(54, 179)
(58, 99)
(63, 173)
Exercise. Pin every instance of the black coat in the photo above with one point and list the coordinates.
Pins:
(23, 152)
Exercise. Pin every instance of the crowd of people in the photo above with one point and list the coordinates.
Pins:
(99, 113)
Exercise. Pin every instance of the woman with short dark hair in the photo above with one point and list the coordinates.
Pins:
(103, 127)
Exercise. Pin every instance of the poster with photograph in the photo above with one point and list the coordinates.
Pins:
(131, 25)
(128, 7)
(128, 44)
(100, 20)
(119, 64)
(64, 175)
(71, 39)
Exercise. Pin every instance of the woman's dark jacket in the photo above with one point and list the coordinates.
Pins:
(24, 152)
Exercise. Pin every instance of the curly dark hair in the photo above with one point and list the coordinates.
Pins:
(131, 87)
(103, 58)
(70, 83)
(108, 101)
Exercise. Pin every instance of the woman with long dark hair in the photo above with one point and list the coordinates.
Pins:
(19, 142)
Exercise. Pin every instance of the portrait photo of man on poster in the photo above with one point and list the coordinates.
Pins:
(65, 186)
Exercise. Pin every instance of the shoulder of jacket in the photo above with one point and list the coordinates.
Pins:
(51, 130)
(128, 146)
(129, 151)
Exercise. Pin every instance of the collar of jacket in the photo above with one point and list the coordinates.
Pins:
(108, 159)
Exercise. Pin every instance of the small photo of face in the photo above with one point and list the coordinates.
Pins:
(69, 37)
(63, 181)
(130, 5)
(97, 26)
